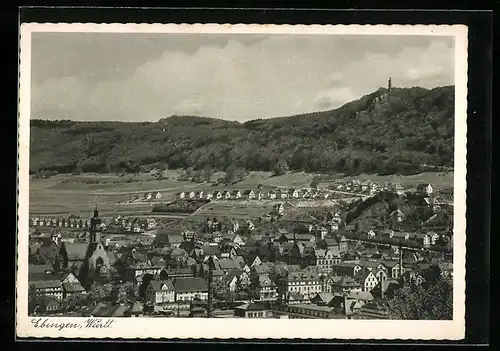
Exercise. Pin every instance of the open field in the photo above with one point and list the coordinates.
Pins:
(234, 209)
(70, 194)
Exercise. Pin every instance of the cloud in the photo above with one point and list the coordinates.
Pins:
(334, 98)
(188, 107)
(239, 80)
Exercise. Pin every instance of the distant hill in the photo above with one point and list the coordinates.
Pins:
(384, 132)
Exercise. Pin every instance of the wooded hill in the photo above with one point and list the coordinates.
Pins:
(402, 131)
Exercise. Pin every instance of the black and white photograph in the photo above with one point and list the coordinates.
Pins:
(245, 174)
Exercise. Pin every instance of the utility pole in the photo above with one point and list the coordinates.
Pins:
(210, 288)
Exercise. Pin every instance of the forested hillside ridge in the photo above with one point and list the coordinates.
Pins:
(404, 131)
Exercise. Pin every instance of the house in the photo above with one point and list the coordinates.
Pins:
(305, 283)
(422, 239)
(346, 269)
(249, 194)
(149, 196)
(172, 274)
(256, 262)
(325, 259)
(282, 194)
(399, 189)
(236, 194)
(41, 288)
(425, 189)
(278, 209)
(264, 289)
(260, 195)
(201, 194)
(71, 285)
(187, 289)
(367, 279)
(230, 280)
(401, 236)
(397, 216)
(294, 193)
(158, 196)
(216, 237)
(344, 285)
(45, 304)
(371, 233)
(141, 268)
(393, 269)
(433, 238)
(321, 233)
(192, 195)
(209, 196)
(322, 298)
(251, 310)
(160, 292)
(217, 195)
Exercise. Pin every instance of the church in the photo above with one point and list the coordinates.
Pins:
(87, 260)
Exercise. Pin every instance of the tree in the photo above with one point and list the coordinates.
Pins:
(100, 292)
(434, 302)
(74, 302)
(207, 172)
(230, 176)
(123, 293)
(280, 168)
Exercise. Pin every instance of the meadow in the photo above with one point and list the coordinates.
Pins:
(66, 194)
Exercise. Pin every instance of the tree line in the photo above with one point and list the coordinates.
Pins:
(405, 131)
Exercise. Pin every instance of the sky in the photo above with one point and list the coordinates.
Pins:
(144, 77)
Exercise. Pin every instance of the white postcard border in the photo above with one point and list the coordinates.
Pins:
(197, 328)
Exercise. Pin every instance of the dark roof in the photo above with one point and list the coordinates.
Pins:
(191, 284)
(45, 284)
(73, 287)
(39, 268)
(157, 285)
(251, 307)
(76, 251)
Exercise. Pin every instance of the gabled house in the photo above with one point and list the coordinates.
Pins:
(264, 289)
(367, 279)
(271, 195)
(209, 195)
(201, 194)
(226, 195)
(425, 189)
(294, 193)
(217, 195)
(236, 194)
(249, 194)
(192, 195)
(371, 233)
(160, 292)
(158, 196)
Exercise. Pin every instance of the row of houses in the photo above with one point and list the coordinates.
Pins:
(422, 239)
(249, 194)
(147, 197)
(370, 187)
(77, 223)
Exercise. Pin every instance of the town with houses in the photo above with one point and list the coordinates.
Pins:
(345, 258)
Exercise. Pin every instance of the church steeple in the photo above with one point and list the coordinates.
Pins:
(96, 211)
(95, 226)
(389, 84)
